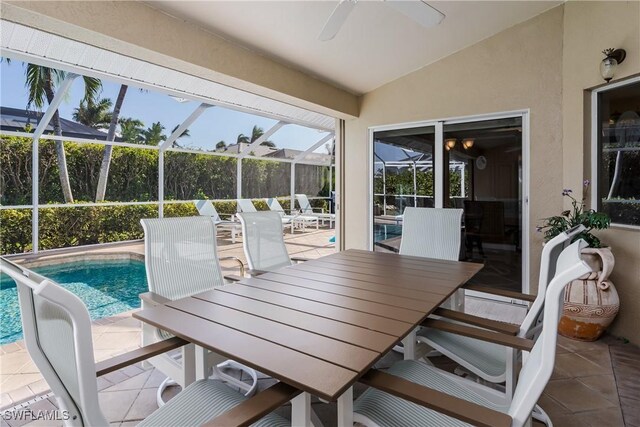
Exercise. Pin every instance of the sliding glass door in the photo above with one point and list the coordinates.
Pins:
(482, 169)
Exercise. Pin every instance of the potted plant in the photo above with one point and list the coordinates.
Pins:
(591, 302)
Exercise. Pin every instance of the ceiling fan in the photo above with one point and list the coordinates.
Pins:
(418, 10)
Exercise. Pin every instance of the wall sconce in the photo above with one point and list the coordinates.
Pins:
(613, 57)
(450, 143)
(468, 143)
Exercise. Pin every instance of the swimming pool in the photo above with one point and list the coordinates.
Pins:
(106, 287)
(386, 231)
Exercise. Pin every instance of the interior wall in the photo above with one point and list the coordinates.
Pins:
(519, 68)
(589, 28)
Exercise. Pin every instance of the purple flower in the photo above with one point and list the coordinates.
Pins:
(566, 191)
(586, 182)
(539, 229)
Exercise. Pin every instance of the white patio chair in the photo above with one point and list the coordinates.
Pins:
(181, 260)
(206, 208)
(431, 233)
(246, 205)
(263, 242)
(57, 332)
(465, 400)
(493, 362)
(306, 209)
(298, 220)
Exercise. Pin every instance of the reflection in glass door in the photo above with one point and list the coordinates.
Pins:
(403, 175)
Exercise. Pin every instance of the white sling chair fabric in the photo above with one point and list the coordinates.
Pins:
(246, 205)
(431, 233)
(57, 330)
(298, 220)
(306, 209)
(374, 407)
(206, 208)
(263, 242)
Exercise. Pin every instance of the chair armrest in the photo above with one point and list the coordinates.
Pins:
(233, 278)
(500, 292)
(138, 355)
(237, 260)
(494, 325)
(480, 334)
(299, 259)
(153, 299)
(251, 410)
(452, 406)
(230, 215)
(254, 273)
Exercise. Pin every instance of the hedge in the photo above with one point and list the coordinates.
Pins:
(86, 225)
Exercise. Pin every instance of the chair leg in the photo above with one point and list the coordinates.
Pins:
(249, 390)
(409, 343)
(345, 408)
(301, 410)
(540, 415)
(161, 388)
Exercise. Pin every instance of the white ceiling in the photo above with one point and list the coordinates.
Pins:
(376, 45)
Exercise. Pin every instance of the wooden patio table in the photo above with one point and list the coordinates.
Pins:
(318, 325)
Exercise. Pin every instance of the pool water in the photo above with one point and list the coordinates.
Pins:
(106, 287)
(386, 231)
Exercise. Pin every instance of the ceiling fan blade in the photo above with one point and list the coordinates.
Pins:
(336, 20)
(421, 12)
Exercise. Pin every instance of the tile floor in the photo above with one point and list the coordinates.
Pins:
(581, 392)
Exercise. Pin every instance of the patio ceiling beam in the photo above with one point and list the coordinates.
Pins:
(184, 126)
(262, 139)
(312, 148)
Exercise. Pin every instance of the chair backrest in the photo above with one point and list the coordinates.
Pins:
(246, 205)
(538, 367)
(532, 322)
(305, 206)
(263, 242)
(206, 208)
(57, 331)
(431, 233)
(181, 258)
(275, 206)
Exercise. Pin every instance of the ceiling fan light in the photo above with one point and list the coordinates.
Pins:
(468, 143)
(450, 143)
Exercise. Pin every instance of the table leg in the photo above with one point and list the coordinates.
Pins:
(409, 343)
(345, 409)
(301, 410)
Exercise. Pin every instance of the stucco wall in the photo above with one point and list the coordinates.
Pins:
(519, 68)
(590, 27)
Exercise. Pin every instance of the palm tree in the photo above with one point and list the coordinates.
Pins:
(40, 82)
(108, 149)
(131, 130)
(153, 135)
(221, 145)
(182, 135)
(256, 133)
(94, 113)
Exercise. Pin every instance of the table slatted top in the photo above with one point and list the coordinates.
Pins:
(317, 325)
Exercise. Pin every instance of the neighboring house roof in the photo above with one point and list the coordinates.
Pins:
(16, 119)
(280, 153)
(261, 150)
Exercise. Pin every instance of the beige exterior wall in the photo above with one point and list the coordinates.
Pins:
(520, 68)
(590, 27)
(137, 30)
(545, 65)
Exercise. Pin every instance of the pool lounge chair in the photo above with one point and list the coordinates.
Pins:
(57, 332)
(300, 221)
(306, 209)
(263, 242)
(206, 208)
(246, 205)
(414, 393)
(181, 260)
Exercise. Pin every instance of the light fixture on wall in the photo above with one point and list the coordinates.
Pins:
(450, 143)
(468, 143)
(612, 58)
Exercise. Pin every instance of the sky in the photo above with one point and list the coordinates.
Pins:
(215, 124)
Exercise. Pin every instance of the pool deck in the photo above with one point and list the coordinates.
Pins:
(593, 384)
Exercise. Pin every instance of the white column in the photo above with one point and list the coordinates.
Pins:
(293, 186)
(462, 183)
(161, 184)
(239, 179)
(438, 167)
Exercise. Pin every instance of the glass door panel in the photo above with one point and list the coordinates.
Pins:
(403, 175)
(483, 176)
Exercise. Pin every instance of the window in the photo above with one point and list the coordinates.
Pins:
(616, 189)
